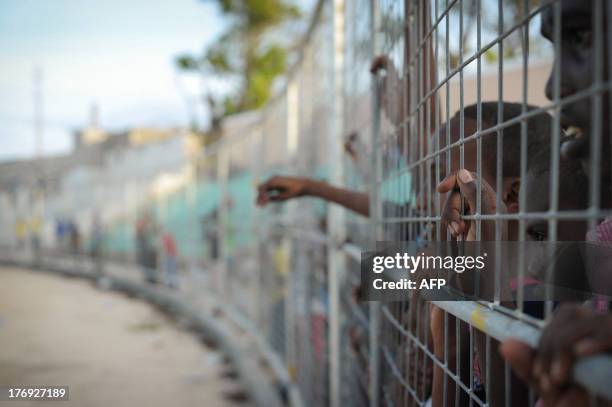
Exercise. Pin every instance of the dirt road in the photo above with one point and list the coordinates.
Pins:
(109, 349)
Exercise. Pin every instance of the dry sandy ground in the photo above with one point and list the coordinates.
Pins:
(111, 350)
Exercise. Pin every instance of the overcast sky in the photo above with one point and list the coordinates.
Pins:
(115, 53)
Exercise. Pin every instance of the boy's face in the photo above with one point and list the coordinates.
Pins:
(568, 268)
(469, 149)
(469, 158)
(537, 189)
(470, 155)
(577, 62)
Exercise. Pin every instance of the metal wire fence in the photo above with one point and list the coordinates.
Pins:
(456, 77)
(388, 98)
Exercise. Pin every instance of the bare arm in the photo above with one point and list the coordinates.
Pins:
(358, 202)
(278, 189)
(439, 376)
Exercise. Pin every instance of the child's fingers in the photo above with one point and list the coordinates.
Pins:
(569, 326)
(265, 186)
(448, 184)
(560, 370)
(574, 396)
(451, 215)
(488, 203)
(261, 201)
(592, 346)
(520, 356)
(262, 198)
(380, 62)
(467, 185)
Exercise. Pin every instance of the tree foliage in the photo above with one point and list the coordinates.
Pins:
(513, 11)
(245, 52)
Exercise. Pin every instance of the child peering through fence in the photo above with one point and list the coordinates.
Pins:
(574, 330)
(582, 53)
(282, 188)
(538, 129)
(567, 270)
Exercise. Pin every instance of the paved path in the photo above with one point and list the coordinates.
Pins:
(111, 350)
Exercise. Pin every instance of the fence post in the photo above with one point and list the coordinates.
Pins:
(257, 165)
(292, 130)
(375, 211)
(335, 219)
(223, 219)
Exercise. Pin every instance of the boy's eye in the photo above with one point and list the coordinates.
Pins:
(580, 37)
(537, 235)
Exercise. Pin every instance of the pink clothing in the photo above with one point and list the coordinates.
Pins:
(601, 233)
(527, 281)
(601, 236)
(600, 266)
(169, 245)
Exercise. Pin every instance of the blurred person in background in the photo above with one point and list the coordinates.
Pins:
(35, 229)
(210, 232)
(61, 234)
(21, 230)
(75, 237)
(96, 244)
(360, 157)
(146, 250)
(392, 86)
(170, 258)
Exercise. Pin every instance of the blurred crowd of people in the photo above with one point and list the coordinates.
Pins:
(154, 242)
(151, 241)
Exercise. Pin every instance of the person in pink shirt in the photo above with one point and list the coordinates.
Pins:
(170, 256)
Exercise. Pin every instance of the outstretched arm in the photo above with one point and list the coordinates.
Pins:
(278, 189)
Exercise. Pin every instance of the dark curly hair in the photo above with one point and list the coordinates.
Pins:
(538, 134)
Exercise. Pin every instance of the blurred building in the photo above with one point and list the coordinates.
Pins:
(115, 172)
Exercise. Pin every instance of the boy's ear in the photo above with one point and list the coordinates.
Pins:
(512, 186)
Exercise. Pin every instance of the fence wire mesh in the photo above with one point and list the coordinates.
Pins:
(388, 98)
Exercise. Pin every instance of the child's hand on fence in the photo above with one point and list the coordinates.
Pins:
(445, 350)
(436, 326)
(391, 101)
(278, 189)
(522, 358)
(420, 374)
(575, 331)
(462, 187)
(462, 200)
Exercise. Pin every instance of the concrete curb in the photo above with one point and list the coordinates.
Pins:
(260, 389)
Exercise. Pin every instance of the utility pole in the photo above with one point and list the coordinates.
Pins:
(39, 205)
(38, 111)
(94, 116)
